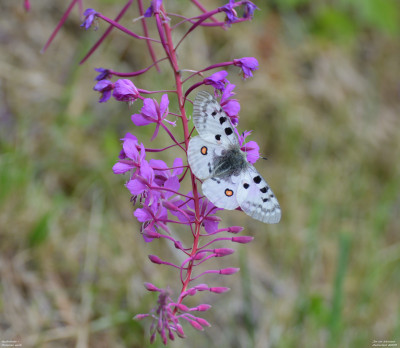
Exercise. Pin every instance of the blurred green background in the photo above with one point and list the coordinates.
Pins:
(325, 107)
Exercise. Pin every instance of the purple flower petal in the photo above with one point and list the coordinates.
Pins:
(146, 171)
(142, 214)
(172, 184)
(104, 74)
(120, 168)
(140, 120)
(154, 8)
(217, 80)
(247, 64)
(155, 163)
(125, 90)
(104, 87)
(177, 163)
(231, 15)
(249, 9)
(251, 148)
(90, 16)
(252, 151)
(150, 108)
(231, 107)
(130, 149)
(210, 226)
(136, 187)
(164, 104)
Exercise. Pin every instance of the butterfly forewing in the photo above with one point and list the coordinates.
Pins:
(211, 121)
(201, 157)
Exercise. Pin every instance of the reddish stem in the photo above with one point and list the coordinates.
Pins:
(59, 25)
(122, 28)
(108, 31)
(181, 103)
(202, 9)
(146, 33)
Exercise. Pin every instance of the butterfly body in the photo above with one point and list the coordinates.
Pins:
(232, 161)
(215, 156)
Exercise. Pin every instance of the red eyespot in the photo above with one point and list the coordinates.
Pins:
(204, 150)
(228, 192)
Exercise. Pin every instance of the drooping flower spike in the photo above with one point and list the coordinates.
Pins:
(167, 197)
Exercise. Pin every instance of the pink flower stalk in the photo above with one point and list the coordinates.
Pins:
(155, 186)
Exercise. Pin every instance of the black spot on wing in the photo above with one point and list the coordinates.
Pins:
(257, 179)
(214, 113)
(246, 185)
(216, 180)
(218, 137)
(222, 119)
(264, 189)
(228, 131)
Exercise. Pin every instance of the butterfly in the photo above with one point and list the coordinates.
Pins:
(214, 156)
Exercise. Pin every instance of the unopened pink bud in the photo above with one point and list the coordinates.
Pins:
(219, 289)
(140, 316)
(235, 229)
(151, 287)
(242, 239)
(223, 252)
(201, 308)
(155, 259)
(171, 335)
(203, 322)
(202, 287)
(190, 292)
(180, 331)
(178, 245)
(200, 255)
(164, 337)
(196, 325)
(182, 307)
(228, 271)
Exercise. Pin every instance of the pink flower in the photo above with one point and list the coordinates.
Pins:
(125, 90)
(251, 148)
(230, 106)
(152, 112)
(247, 64)
(90, 18)
(217, 80)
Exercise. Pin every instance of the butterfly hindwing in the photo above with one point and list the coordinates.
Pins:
(201, 156)
(256, 198)
(211, 121)
(222, 193)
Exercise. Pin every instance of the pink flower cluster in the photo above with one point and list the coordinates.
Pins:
(154, 186)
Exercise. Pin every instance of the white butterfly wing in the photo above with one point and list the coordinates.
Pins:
(211, 121)
(256, 198)
(200, 156)
(222, 193)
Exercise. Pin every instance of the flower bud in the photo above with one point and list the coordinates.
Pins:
(229, 271)
(242, 239)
